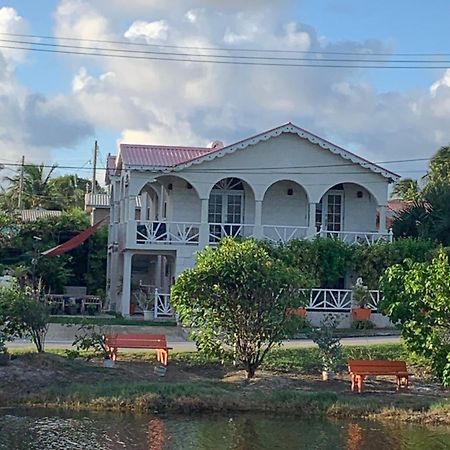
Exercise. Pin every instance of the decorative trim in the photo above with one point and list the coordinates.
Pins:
(289, 128)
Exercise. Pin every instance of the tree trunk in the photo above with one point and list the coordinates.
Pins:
(251, 369)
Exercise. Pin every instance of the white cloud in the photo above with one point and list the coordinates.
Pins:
(189, 103)
(150, 31)
(11, 22)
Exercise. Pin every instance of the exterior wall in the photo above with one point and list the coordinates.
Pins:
(286, 157)
(316, 317)
(279, 208)
(268, 169)
(183, 204)
(359, 213)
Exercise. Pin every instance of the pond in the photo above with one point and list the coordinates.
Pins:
(49, 429)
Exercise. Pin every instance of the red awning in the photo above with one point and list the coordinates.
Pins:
(72, 243)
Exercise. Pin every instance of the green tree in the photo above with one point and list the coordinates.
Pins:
(439, 168)
(407, 189)
(23, 315)
(36, 189)
(418, 297)
(237, 295)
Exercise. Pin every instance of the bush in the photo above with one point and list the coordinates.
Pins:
(23, 315)
(416, 295)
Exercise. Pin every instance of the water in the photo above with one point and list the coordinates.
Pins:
(48, 429)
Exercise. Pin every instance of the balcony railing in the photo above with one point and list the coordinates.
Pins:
(217, 231)
(284, 233)
(358, 237)
(167, 232)
(188, 233)
(325, 300)
(338, 299)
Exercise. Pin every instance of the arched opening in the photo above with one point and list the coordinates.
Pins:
(285, 211)
(231, 206)
(347, 206)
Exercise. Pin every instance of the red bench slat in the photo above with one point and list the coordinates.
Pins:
(138, 340)
(360, 368)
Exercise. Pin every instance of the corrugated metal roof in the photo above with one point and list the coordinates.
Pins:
(97, 200)
(30, 215)
(159, 156)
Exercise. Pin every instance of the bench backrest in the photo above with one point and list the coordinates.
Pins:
(376, 366)
(136, 340)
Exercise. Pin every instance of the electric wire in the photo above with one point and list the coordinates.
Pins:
(226, 62)
(228, 49)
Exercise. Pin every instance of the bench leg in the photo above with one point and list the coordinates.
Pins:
(360, 381)
(402, 382)
(353, 382)
(113, 353)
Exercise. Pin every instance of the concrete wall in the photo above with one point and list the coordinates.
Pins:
(279, 208)
(315, 318)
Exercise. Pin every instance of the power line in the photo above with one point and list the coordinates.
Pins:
(228, 49)
(239, 57)
(252, 170)
(227, 62)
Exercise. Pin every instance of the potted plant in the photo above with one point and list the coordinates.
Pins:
(330, 347)
(360, 299)
(92, 310)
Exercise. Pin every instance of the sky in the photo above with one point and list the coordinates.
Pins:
(54, 106)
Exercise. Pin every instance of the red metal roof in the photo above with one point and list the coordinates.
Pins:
(160, 156)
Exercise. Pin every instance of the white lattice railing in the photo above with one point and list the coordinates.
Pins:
(218, 231)
(167, 232)
(162, 306)
(284, 233)
(338, 299)
(358, 237)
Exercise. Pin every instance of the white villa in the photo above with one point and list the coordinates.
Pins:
(286, 183)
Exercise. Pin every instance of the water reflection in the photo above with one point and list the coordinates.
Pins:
(44, 429)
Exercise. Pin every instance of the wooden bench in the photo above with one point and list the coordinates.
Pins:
(150, 341)
(360, 368)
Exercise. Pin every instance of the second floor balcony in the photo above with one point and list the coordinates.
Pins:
(147, 234)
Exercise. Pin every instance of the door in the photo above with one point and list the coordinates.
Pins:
(330, 211)
(225, 208)
(334, 210)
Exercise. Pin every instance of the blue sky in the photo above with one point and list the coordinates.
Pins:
(394, 115)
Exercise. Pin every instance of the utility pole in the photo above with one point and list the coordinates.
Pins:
(19, 200)
(94, 170)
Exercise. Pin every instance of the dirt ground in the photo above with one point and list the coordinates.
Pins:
(31, 374)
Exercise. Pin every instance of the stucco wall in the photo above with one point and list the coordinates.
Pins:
(279, 208)
(359, 213)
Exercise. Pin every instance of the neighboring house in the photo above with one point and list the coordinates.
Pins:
(31, 215)
(286, 183)
(97, 206)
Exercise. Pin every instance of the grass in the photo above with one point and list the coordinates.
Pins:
(112, 390)
(89, 320)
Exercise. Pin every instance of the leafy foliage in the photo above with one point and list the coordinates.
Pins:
(330, 347)
(237, 295)
(23, 315)
(417, 296)
(84, 265)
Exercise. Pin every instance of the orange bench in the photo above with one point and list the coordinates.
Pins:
(360, 368)
(150, 341)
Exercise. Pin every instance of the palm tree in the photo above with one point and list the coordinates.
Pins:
(439, 171)
(407, 189)
(36, 189)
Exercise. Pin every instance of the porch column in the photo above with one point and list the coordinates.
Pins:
(126, 284)
(132, 207)
(311, 219)
(382, 212)
(258, 231)
(204, 226)
(144, 206)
